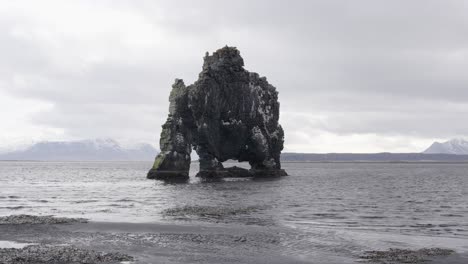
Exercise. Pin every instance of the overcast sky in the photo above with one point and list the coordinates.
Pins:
(352, 76)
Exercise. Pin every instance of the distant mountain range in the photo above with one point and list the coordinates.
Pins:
(455, 150)
(372, 157)
(454, 146)
(109, 150)
(84, 150)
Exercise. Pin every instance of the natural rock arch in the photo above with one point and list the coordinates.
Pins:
(228, 113)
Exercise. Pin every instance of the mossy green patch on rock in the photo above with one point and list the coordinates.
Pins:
(158, 161)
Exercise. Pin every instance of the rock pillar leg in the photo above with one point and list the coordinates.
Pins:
(173, 162)
(266, 169)
(209, 165)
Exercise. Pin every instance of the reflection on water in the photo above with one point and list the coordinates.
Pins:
(327, 204)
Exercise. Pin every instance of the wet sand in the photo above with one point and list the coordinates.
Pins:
(157, 243)
(181, 243)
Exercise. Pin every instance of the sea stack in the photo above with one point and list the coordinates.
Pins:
(229, 113)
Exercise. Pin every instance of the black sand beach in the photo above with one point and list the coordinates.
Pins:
(165, 243)
(158, 243)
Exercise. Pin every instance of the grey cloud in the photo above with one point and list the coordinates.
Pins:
(352, 67)
(130, 123)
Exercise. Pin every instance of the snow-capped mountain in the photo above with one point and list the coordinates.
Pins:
(84, 150)
(454, 146)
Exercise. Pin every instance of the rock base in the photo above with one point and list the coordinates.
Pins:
(268, 173)
(212, 174)
(236, 172)
(168, 175)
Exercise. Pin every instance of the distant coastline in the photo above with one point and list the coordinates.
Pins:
(84, 150)
(374, 157)
(290, 157)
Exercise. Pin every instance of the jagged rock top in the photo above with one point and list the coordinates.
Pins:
(224, 58)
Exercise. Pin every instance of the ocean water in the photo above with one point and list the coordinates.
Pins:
(334, 207)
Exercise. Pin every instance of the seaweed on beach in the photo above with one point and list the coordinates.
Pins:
(209, 211)
(218, 214)
(224, 214)
(58, 254)
(396, 255)
(35, 219)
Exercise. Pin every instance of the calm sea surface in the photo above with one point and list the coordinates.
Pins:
(339, 206)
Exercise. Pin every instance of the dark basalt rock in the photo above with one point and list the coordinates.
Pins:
(237, 172)
(228, 113)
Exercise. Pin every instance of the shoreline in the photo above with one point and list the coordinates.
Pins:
(180, 243)
(156, 243)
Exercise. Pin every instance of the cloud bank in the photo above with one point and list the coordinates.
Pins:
(353, 76)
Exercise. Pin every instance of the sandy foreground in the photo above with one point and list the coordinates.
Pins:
(167, 243)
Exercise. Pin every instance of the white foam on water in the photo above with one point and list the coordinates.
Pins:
(12, 244)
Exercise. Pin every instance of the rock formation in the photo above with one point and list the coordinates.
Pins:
(228, 113)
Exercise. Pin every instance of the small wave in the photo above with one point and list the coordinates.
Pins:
(13, 197)
(16, 207)
(104, 211)
(121, 205)
(85, 201)
(448, 225)
(125, 200)
(423, 225)
(325, 215)
(372, 217)
(329, 216)
(451, 215)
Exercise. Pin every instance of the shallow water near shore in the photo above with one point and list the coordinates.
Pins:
(322, 211)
